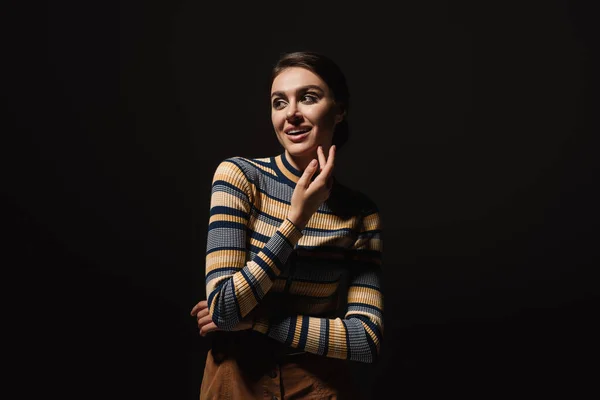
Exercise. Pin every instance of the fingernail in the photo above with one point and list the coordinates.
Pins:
(313, 163)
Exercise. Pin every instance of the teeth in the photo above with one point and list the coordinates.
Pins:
(298, 131)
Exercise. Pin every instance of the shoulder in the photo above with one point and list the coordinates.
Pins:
(237, 162)
(241, 166)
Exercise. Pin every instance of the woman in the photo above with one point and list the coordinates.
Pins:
(293, 262)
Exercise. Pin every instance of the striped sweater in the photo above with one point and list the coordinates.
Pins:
(316, 290)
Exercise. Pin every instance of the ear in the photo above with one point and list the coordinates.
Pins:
(339, 117)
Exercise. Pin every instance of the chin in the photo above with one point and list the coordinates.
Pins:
(301, 149)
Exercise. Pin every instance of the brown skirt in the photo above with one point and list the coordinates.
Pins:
(249, 365)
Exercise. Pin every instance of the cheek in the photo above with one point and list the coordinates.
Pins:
(324, 119)
(276, 120)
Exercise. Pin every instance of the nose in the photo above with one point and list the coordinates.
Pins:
(292, 113)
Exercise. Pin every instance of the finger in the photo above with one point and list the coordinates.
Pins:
(202, 304)
(202, 313)
(204, 321)
(326, 173)
(322, 159)
(308, 173)
(208, 328)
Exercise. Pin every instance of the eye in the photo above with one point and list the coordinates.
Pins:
(278, 104)
(310, 98)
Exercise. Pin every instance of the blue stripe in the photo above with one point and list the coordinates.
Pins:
(234, 161)
(227, 225)
(255, 249)
(274, 258)
(224, 269)
(228, 211)
(212, 295)
(348, 349)
(282, 178)
(261, 162)
(373, 231)
(229, 185)
(291, 331)
(373, 348)
(342, 230)
(237, 304)
(303, 332)
(260, 237)
(290, 167)
(326, 346)
(265, 267)
(273, 197)
(251, 284)
(368, 322)
(281, 235)
(365, 305)
(264, 216)
(225, 248)
(365, 285)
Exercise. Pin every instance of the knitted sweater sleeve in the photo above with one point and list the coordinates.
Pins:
(358, 335)
(235, 284)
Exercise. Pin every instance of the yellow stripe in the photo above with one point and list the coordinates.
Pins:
(263, 228)
(337, 339)
(212, 284)
(285, 171)
(257, 272)
(226, 199)
(269, 262)
(297, 331)
(237, 257)
(357, 294)
(244, 295)
(338, 240)
(314, 333)
(228, 218)
(371, 222)
(313, 289)
(372, 334)
(377, 321)
(331, 221)
(272, 207)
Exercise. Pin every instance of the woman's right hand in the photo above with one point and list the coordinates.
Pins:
(309, 195)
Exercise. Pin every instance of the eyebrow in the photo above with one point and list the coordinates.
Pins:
(300, 89)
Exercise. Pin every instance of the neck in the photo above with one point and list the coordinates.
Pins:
(300, 162)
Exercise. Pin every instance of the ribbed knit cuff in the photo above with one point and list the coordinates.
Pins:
(291, 231)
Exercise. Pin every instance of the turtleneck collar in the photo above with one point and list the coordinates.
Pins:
(287, 169)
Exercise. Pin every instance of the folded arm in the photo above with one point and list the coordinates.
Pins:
(358, 335)
(235, 285)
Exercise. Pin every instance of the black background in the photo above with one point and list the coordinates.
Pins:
(474, 128)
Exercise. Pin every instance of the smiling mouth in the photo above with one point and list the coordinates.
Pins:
(297, 132)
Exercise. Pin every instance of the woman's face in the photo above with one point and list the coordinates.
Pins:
(303, 111)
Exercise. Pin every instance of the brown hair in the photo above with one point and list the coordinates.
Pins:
(333, 76)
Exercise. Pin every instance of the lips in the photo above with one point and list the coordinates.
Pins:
(297, 135)
(296, 131)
